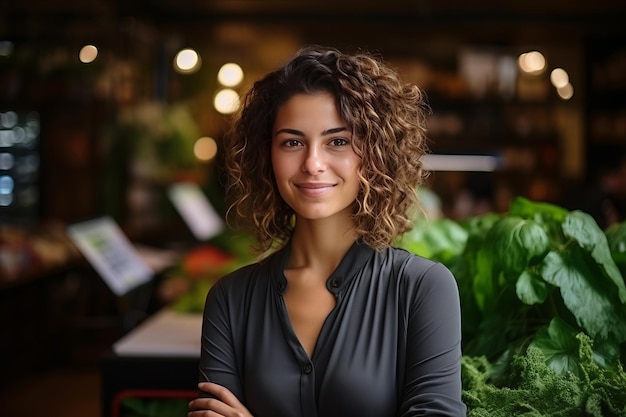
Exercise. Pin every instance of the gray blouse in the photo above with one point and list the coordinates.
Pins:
(390, 347)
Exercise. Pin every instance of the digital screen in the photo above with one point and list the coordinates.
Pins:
(196, 210)
(108, 250)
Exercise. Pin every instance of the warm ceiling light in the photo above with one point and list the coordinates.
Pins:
(187, 61)
(230, 75)
(532, 62)
(226, 101)
(559, 77)
(88, 54)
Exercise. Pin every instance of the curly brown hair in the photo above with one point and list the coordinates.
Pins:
(385, 114)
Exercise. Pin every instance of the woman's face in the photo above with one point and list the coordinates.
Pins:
(314, 164)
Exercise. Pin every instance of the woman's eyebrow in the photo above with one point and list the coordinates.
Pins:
(334, 130)
(299, 133)
(290, 131)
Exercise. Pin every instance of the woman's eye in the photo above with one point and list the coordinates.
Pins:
(291, 143)
(339, 142)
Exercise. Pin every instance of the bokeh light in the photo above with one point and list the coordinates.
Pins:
(6, 184)
(559, 77)
(205, 149)
(230, 75)
(7, 161)
(226, 101)
(532, 62)
(187, 61)
(88, 54)
(8, 119)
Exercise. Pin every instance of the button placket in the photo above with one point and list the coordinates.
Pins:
(307, 369)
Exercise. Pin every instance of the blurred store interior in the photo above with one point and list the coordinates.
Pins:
(105, 104)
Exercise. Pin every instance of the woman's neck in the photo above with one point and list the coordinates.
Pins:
(320, 244)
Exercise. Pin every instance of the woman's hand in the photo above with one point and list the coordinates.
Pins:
(225, 405)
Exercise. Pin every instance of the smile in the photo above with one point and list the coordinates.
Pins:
(314, 189)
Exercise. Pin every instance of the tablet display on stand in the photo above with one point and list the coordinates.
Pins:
(108, 250)
(196, 210)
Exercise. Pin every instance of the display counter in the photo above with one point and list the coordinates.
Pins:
(158, 359)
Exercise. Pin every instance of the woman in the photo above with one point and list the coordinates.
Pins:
(322, 167)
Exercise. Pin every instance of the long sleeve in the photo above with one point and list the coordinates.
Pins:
(433, 353)
(218, 362)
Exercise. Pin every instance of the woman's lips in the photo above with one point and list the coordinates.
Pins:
(314, 189)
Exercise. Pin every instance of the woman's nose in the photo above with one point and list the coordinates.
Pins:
(314, 161)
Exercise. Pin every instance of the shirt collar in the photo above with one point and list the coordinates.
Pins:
(347, 269)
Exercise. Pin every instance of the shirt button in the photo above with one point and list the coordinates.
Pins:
(307, 369)
(335, 283)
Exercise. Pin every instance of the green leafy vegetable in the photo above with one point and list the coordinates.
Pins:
(616, 238)
(559, 345)
(584, 229)
(538, 262)
(533, 388)
(439, 239)
(544, 310)
(531, 288)
(586, 293)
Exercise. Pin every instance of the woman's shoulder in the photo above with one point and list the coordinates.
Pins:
(401, 256)
(409, 265)
(236, 287)
(254, 273)
(239, 275)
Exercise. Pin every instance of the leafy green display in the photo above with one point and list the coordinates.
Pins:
(544, 309)
(518, 271)
(530, 387)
